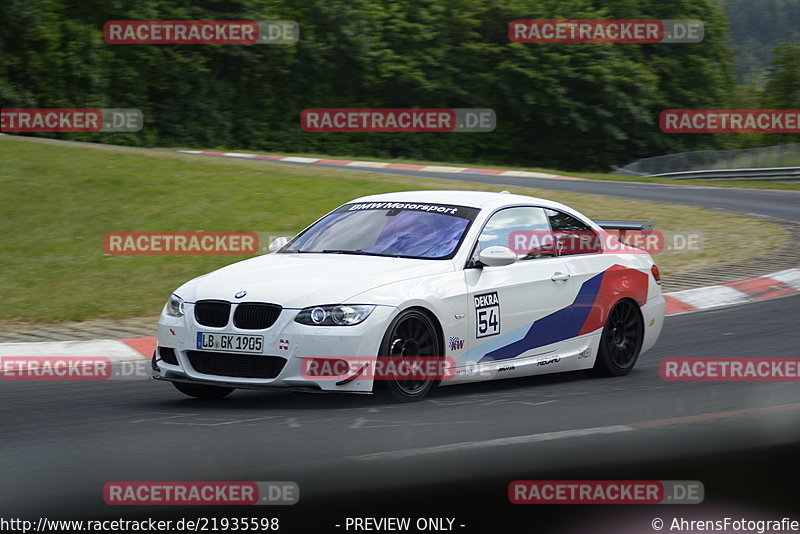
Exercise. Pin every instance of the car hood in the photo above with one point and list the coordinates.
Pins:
(301, 280)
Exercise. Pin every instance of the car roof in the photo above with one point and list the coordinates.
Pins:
(474, 199)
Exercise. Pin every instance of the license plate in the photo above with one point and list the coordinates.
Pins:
(230, 342)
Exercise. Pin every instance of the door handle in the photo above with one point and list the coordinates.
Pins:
(560, 277)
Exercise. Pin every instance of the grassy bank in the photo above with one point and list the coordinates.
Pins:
(59, 201)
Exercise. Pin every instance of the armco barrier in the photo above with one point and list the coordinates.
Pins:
(775, 173)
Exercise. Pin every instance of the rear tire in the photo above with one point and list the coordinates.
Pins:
(412, 333)
(621, 340)
(201, 391)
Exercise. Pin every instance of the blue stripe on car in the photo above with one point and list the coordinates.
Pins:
(563, 324)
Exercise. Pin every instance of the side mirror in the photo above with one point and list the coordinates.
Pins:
(497, 256)
(278, 243)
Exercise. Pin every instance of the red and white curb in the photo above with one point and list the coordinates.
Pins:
(749, 290)
(115, 350)
(382, 165)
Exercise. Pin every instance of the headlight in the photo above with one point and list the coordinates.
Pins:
(341, 315)
(175, 306)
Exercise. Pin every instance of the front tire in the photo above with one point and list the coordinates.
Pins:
(201, 391)
(412, 334)
(621, 340)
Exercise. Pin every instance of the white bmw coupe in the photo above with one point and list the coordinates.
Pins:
(487, 285)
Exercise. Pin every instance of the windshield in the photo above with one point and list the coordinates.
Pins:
(426, 231)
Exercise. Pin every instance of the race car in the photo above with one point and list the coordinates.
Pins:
(486, 285)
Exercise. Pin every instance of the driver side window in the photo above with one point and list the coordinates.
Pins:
(525, 230)
(572, 236)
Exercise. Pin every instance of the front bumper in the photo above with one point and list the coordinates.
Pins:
(285, 339)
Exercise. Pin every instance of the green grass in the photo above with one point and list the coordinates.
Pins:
(60, 200)
(745, 184)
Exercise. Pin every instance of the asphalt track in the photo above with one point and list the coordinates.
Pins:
(770, 203)
(455, 453)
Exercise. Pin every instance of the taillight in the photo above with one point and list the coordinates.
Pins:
(656, 273)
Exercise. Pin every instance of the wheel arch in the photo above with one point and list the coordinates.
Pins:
(434, 319)
(636, 306)
(437, 325)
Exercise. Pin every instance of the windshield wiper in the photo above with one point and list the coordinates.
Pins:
(357, 253)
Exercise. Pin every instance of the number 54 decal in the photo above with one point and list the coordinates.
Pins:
(487, 314)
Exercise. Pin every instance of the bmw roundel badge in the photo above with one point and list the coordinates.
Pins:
(240, 294)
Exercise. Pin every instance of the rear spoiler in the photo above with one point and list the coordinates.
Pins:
(623, 226)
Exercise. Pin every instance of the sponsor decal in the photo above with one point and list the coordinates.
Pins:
(487, 315)
(606, 492)
(456, 343)
(505, 368)
(585, 353)
(433, 208)
(548, 361)
(606, 31)
(283, 344)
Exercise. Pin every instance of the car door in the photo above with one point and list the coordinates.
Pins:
(600, 280)
(581, 249)
(518, 311)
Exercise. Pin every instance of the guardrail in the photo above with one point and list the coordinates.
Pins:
(770, 157)
(775, 173)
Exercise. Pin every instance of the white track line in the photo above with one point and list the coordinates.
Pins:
(500, 442)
